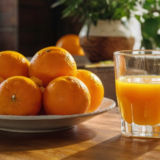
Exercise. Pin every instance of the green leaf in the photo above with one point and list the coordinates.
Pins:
(57, 3)
(147, 44)
(151, 26)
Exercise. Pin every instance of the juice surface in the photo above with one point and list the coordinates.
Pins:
(139, 99)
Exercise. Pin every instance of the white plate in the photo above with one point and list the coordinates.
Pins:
(48, 123)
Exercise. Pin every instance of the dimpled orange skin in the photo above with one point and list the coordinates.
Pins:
(95, 87)
(13, 64)
(50, 63)
(20, 96)
(66, 95)
(71, 43)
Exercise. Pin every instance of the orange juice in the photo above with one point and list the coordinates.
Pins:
(139, 99)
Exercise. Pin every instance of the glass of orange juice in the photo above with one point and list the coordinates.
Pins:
(137, 78)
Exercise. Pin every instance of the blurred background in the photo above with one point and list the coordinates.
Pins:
(27, 26)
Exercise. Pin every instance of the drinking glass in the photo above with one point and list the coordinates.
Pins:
(137, 79)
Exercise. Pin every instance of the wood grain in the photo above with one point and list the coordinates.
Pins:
(102, 48)
(99, 138)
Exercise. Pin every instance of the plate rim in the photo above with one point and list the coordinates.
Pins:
(56, 117)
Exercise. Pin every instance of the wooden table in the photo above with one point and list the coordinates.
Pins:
(97, 139)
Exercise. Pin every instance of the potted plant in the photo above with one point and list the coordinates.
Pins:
(150, 23)
(107, 27)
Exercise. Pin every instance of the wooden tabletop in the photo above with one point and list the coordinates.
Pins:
(97, 139)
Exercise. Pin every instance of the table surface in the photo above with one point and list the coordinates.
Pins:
(97, 139)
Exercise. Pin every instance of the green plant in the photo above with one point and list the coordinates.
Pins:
(90, 11)
(150, 24)
(93, 10)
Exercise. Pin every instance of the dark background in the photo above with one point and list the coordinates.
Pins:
(27, 26)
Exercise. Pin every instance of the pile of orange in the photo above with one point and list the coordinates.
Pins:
(49, 82)
(19, 95)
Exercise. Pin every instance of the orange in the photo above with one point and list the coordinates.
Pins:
(66, 95)
(50, 63)
(13, 64)
(71, 43)
(95, 87)
(19, 95)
